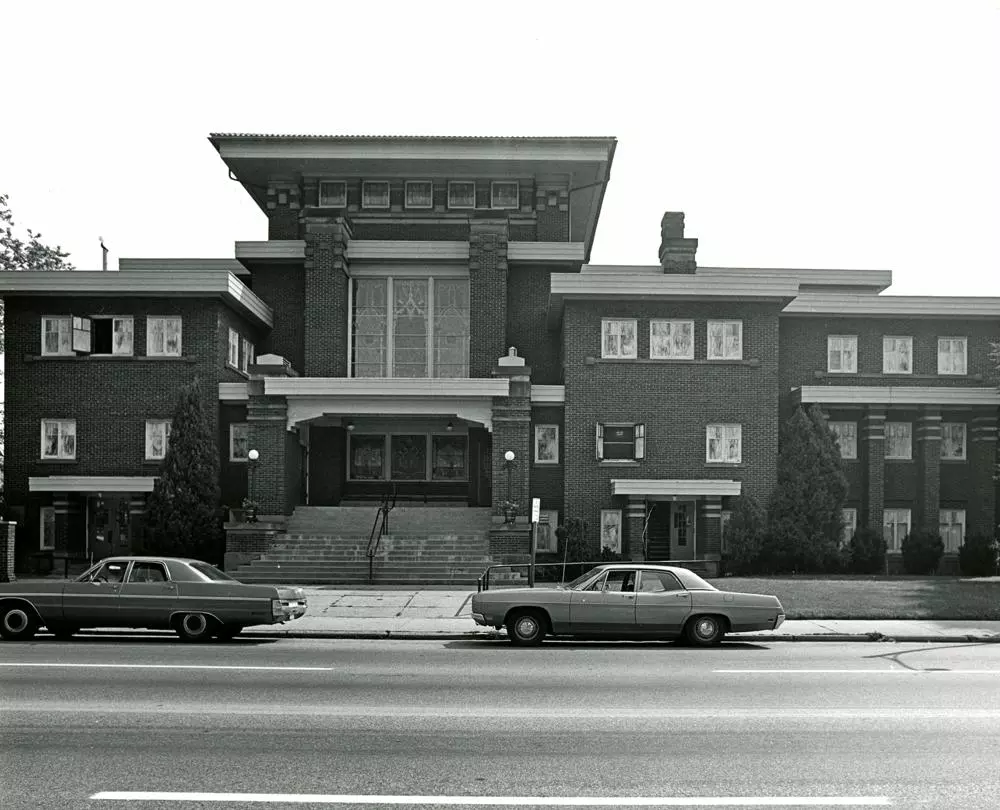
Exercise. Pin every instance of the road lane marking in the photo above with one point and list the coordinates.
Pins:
(507, 801)
(171, 666)
(856, 671)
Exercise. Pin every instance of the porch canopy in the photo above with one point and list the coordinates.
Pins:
(92, 483)
(674, 488)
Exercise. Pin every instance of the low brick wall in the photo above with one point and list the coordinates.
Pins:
(246, 542)
(7, 534)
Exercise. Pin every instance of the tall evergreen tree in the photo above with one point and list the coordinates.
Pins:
(185, 517)
(805, 521)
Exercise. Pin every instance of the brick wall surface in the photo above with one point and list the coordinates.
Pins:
(326, 295)
(282, 287)
(487, 295)
(547, 480)
(233, 474)
(527, 309)
(675, 400)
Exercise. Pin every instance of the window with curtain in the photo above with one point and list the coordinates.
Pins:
(725, 340)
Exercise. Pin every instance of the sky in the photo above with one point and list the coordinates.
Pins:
(816, 134)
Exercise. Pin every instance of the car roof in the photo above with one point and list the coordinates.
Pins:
(636, 565)
(146, 558)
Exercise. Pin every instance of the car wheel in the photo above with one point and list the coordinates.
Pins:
(63, 632)
(17, 623)
(193, 627)
(526, 628)
(229, 632)
(703, 631)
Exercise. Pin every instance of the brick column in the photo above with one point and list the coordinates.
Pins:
(512, 431)
(487, 293)
(982, 516)
(552, 212)
(873, 472)
(635, 522)
(710, 544)
(7, 529)
(266, 425)
(283, 205)
(326, 296)
(927, 433)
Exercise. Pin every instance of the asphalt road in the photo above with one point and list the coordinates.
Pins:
(151, 723)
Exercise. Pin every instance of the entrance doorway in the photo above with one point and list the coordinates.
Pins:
(108, 525)
(670, 534)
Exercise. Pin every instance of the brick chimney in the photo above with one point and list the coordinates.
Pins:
(677, 254)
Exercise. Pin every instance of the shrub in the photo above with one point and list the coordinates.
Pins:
(922, 552)
(744, 536)
(572, 539)
(978, 556)
(867, 552)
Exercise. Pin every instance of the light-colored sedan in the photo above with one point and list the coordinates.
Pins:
(191, 597)
(627, 601)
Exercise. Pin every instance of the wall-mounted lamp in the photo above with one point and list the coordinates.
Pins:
(349, 426)
(450, 427)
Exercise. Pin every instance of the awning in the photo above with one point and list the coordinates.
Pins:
(91, 483)
(689, 487)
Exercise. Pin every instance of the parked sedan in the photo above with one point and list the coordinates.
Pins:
(627, 601)
(193, 598)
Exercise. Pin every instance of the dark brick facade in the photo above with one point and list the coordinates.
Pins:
(527, 305)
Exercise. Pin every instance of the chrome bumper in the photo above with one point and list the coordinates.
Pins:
(479, 618)
(779, 620)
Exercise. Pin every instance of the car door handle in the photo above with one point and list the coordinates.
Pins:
(680, 595)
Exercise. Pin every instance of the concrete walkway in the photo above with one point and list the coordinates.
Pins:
(439, 614)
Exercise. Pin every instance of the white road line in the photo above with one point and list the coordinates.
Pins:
(171, 666)
(495, 801)
(856, 671)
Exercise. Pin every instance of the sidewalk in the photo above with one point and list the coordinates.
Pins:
(437, 614)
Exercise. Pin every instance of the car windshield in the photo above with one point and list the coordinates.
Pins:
(692, 582)
(211, 572)
(580, 580)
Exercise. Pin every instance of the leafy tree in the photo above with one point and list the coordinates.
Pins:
(922, 551)
(745, 535)
(805, 521)
(185, 515)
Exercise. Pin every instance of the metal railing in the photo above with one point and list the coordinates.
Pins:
(379, 527)
(555, 573)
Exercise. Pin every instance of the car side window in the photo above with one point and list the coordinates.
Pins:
(110, 572)
(620, 581)
(597, 584)
(147, 572)
(658, 582)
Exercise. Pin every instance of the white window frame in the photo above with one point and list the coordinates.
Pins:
(850, 515)
(64, 327)
(451, 203)
(232, 442)
(517, 195)
(673, 323)
(539, 430)
(738, 355)
(838, 345)
(406, 195)
(246, 355)
(366, 203)
(945, 427)
(46, 516)
(611, 518)
(150, 425)
(638, 442)
(942, 368)
(889, 427)
(727, 430)
(233, 358)
(331, 201)
(895, 518)
(130, 331)
(852, 453)
(948, 520)
(151, 351)
(621, 355)
(889, 352)
(64, 426)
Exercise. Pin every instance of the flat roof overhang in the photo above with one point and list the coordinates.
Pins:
(91, 483)
(665, 287)
(847, 305)
(584, 163)
(901, 395)
(666, 487)
(166, 282)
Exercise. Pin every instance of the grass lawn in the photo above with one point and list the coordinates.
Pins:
(876, 597)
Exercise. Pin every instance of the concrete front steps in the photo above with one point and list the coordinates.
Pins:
(357, 521)
(426, 559)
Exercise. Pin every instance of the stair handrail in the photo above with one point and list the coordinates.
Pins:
(379, 527)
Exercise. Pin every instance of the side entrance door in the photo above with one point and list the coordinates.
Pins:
(682, 530)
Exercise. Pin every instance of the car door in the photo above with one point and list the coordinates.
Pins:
(93, 602)
(148, 597)
(607, 606)
(662, 604)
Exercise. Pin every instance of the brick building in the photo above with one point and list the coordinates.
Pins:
(422, 306)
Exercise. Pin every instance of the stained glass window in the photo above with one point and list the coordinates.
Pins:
(448, 454)
(409, 458)
(367, 457)
(370, 327)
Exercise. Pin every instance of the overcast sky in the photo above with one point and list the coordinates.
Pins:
(800, 134)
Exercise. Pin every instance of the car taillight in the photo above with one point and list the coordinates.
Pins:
(276, 608)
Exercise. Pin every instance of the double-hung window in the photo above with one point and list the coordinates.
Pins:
(246, 356)
(57, 335)
(895, 526)
(671, 340)
(953, 441)
(59, 439)
(163, 336)
(618, 339)
(850, 518)
(724, 444)
(462, 194)
(951, 527)
(725, 340)
(233, 359)
(897, 355)
(842, 354)
(419, 194)
(546, 444)
(847, 438)
(621, 442)
(239, 441)
(504, 194)
(953, 355)
(899, 440)
(375, 194)
(157, 437)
